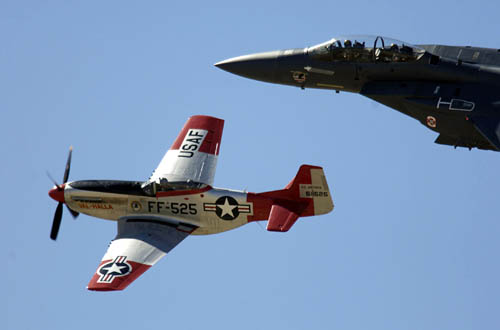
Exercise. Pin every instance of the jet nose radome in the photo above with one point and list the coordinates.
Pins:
(260, 66)
(57, 193)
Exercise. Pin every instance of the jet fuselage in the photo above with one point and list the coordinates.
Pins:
(451, 90)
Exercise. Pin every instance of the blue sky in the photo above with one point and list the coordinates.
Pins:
(413, 240)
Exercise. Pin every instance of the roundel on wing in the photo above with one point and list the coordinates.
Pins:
(227, 208)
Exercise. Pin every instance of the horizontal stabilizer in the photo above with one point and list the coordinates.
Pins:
(281, 219)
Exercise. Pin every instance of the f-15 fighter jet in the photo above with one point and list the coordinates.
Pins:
(452, 90)
(179, 200)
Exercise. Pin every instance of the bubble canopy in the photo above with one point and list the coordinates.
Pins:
(364, 48)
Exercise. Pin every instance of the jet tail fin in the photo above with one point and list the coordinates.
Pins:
(306, 195)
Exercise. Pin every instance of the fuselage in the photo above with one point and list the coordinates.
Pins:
(196, 208)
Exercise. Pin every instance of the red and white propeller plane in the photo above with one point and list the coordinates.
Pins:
(178, 200)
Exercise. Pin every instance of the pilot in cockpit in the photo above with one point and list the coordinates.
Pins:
(164, 184)
(406, 50)
(358, 44)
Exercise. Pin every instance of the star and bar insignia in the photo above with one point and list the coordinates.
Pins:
(227, 208)
(117, 267)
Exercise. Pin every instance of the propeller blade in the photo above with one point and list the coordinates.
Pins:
(73, 213)
(52, 179)
(68, 165)
(57, 221)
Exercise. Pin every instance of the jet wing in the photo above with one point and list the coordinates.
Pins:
(193, 155)
(139, 244)
(489, 127)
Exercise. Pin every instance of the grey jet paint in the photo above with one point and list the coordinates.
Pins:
(452, 90)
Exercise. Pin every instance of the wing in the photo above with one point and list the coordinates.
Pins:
(193, 156)
(489, 127)
(140, 243)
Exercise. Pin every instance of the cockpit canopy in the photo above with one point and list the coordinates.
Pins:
(357, 48)
(150, 188)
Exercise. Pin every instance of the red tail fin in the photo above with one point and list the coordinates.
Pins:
(306, 195)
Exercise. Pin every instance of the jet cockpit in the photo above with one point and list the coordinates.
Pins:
(365, 49)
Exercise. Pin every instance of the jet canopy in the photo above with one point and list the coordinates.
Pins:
(365, 49)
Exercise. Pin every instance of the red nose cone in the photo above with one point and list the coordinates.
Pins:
(57, 194)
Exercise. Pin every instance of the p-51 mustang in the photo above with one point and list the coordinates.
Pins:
(178, 200)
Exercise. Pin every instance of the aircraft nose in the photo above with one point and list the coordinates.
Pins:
(259, 66)
(57, 194)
